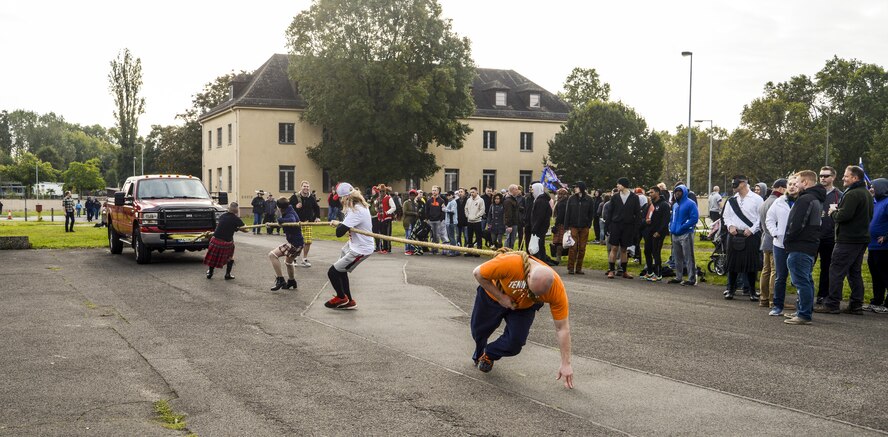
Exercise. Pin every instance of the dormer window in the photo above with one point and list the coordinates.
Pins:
(500, 98)
(534, 100)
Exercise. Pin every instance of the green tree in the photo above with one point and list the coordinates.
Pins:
(125, 83)
(5, 136)
(675, 164)
(603, 141)
(857, 96)
(876, 159)
(176, 149)
(24, 170)
(385, 78)
(582, 85)
(83, 176)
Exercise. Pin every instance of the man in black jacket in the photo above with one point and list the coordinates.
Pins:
(578, 217)
(622, 221)
(540, 220)
(852, 216)
(512, 215)
(801, 240)
(258, 205)
(827, 230)
(308, 210)
(657, 220)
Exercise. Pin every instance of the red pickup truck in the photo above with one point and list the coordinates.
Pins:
(160, 212)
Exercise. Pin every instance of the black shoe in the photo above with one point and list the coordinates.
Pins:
(467, 255)
(674, 281)
(729, 295)
(279, 283)
(228, 270)
(291, 283)
(754, 297)
(823, 309)
(854, 311)
(210, 273)
(819, 301)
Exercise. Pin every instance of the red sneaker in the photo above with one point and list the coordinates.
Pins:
(408, 253)
(350, 305)
(336, 302)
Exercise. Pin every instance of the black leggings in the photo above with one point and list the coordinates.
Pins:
(339, 281)
(385, 228)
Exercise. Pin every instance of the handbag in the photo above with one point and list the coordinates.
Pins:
(738, 242)
(568, 240)
(534, 245)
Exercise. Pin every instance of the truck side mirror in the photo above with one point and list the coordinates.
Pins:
(119, 198)
(223, 198)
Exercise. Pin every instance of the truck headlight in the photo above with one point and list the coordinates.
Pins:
(149, 218)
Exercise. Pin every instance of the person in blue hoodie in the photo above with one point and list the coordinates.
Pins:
(291, 249)
(682, 225)
(878, 247)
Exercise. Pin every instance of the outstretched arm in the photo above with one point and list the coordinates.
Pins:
(562, 332)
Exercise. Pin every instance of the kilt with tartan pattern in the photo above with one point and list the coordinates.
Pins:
(306, 234)
(289, 250)
(219, 253)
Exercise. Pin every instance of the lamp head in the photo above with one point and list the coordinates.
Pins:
(687, 53)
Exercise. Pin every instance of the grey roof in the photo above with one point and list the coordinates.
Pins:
(270, 87)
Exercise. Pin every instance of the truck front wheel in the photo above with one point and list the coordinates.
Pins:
(114, 243)
(143, 254)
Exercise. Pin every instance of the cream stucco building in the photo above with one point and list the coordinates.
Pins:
(257, 140)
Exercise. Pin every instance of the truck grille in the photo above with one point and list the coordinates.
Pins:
(188, 219)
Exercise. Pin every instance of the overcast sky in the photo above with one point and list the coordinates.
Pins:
(56, 54)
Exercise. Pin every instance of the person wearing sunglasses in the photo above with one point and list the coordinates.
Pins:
(827, 230)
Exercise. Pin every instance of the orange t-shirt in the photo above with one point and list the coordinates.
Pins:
(507, 271)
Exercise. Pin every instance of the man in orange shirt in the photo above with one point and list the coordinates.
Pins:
(513, 287)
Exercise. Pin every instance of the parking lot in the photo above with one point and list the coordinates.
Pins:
(90, 340)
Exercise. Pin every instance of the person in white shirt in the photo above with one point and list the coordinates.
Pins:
(715, 204)
(743, 222)
(356, 250)
(474, 213)
(775, 221)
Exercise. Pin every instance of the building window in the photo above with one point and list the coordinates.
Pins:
(500, 98)
(451, 179)
(490, 140)
(328, 182)
(286, 133)
(219, 172)
(286, 176)
(210, 180)
(210, 139)
(412, 184)
(525, 178)
(229, 176)
(229, 134)
(534, 101)
(488, 179)
(527, 141)
(219, 137)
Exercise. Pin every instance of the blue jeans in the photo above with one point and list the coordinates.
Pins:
(257, 220)
(781, 272)
(408, 229)
(800, 267)
(511, 236)
(451, 234)
(333, 213)
(487, 315)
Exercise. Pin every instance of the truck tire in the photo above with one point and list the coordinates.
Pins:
(114, 243)
(143, 254)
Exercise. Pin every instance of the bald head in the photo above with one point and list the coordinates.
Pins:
(540, 278)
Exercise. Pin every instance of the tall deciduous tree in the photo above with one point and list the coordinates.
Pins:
(176, 149)
(385, 78)
(125, 83)
(83, 176)
(582, 85)
(603, 141)
(24, 169)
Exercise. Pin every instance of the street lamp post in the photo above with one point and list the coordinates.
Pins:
(690, 87)
(710, 154)
(822, 110)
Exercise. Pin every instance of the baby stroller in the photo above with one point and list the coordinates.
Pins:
(719, 257)
(421, 232)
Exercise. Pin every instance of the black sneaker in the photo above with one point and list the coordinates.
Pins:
(854, 311)
(688, 283)
(819, 301)
(485, 364)
(823, 309)
(674, 281)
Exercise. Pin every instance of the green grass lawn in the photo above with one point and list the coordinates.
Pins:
(51, 235)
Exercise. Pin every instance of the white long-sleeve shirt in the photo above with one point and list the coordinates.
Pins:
(750, 206)
(776, 220)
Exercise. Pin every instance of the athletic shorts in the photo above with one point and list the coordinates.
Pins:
(348, 260)
(306, 234)
(622, 235)
(289, 250)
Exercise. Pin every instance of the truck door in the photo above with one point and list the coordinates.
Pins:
(126, 211)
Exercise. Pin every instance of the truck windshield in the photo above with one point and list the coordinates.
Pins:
(171, 189)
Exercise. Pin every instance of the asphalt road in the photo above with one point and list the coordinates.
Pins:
(89, 340)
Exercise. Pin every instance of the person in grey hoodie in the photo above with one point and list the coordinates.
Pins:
(761, 189)
(767, 246)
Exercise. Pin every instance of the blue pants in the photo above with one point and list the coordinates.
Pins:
(257, 220)
(487, 316)
(781, 272)
(800, 267)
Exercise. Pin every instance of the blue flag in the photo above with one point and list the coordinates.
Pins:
(865, 176)
(550, 180)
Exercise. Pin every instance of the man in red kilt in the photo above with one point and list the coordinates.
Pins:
(221, 250)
